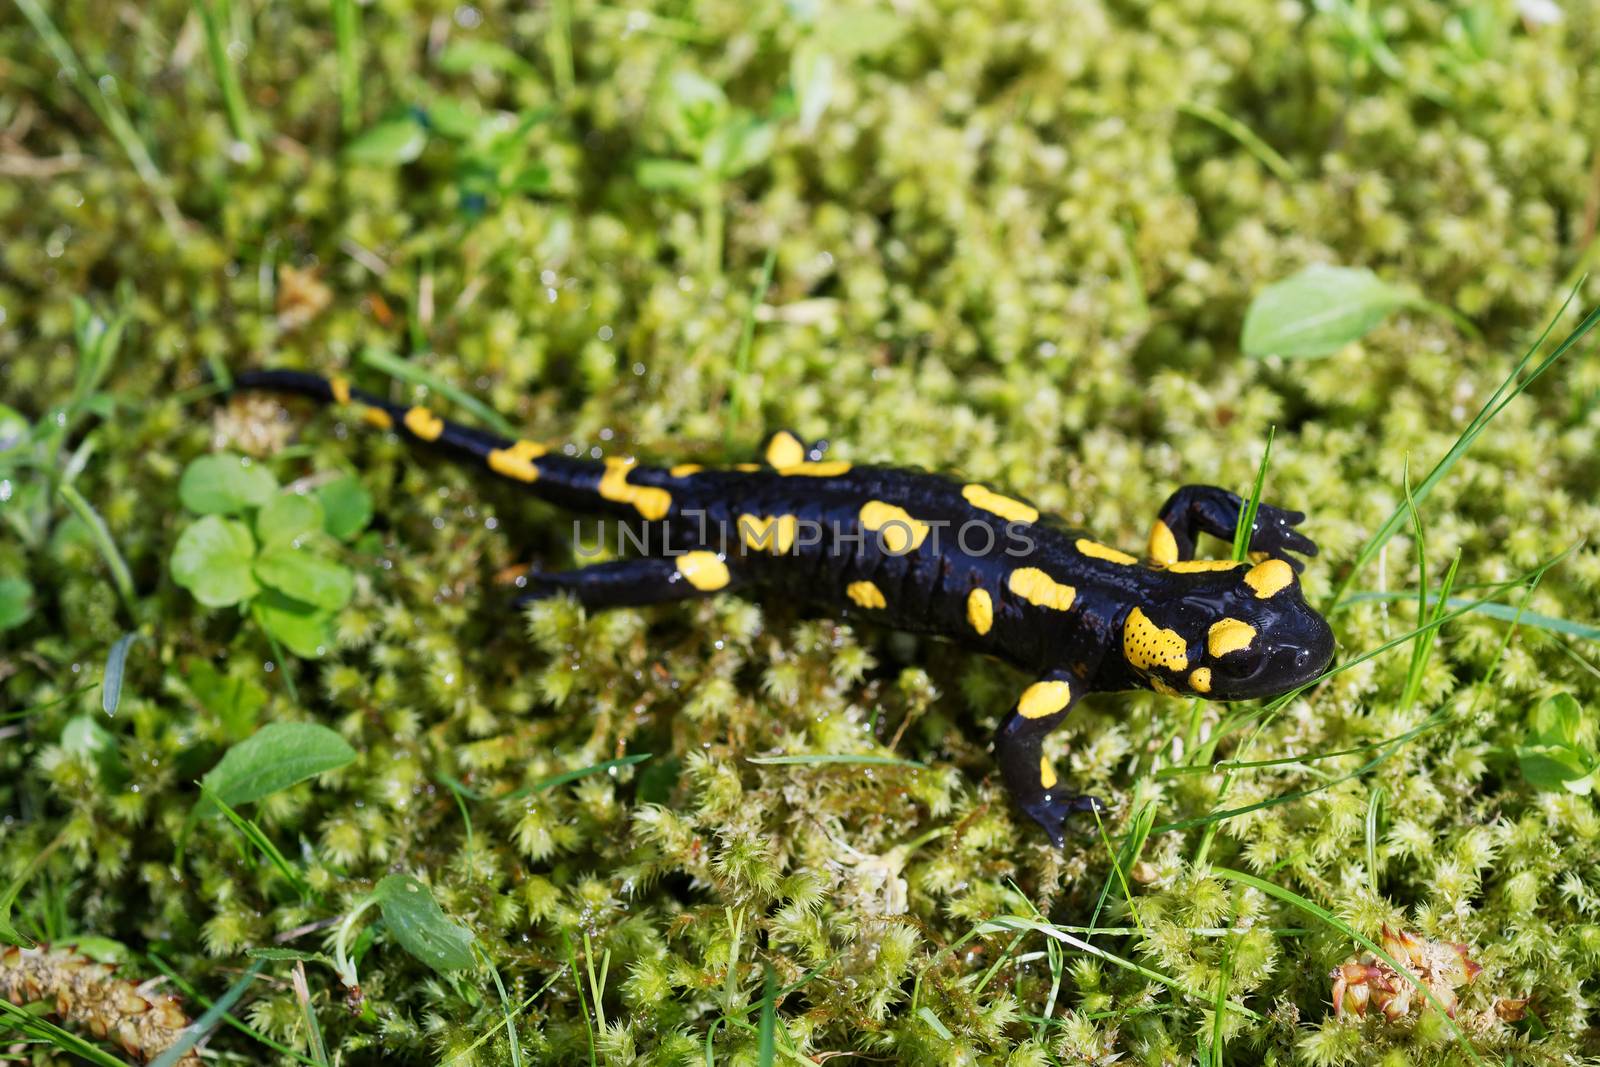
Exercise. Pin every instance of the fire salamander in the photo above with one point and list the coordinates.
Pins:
(923, 552)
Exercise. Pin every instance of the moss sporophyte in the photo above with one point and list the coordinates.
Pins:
(274, 741)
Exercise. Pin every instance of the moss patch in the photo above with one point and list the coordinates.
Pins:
(1004, 239)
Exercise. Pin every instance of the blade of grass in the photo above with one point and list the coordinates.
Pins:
(1511, 387)
(101, 536)
(302, 993)
(283, 665)
(203, 1025)
(48, 704)
(505, 1004)
(234, 1021)
(1502, 612)
(577, 983)
(254, 835)
(346, 39)
(820, 758)
(1219, 1011)
(582, 772)
(738, 388)
(233, 101)
(508, 1019)
(1295, 900)
(1374, 813)
(1265, 154)
(108, 106)
(766, 1053)
(407, 371)
(1127, 855)
(1018, 922)
(29, 1024)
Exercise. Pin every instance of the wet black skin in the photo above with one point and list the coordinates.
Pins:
(927, 588)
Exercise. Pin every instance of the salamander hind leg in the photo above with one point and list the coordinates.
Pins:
(1197, 509)
(1030, 777)
(636, 582)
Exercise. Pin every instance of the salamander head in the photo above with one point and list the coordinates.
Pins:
(1231, 634)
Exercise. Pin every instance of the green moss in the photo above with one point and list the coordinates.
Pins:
(1004, 248)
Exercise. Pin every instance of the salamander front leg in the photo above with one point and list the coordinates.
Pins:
(1196, 509)
(635, 582)
(1019, 750)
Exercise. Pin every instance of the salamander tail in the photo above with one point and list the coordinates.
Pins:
(415, 422)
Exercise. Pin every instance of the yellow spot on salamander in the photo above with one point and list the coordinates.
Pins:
(704, 570)
(866, 594)
(683, 470)
(1229, 635)
(651, 502)
(980, 611)
(1163, 545)
(1200, 566)
(828, 468)
(1038, 588)
(900, 532)
(1047, 773)
(1200, 680)
(424, 423)
(770, 533)
(376, 416)
(517, 461)
(1044, 698)
(1098, 551)
(785, 450)
(340, 388)
(747, 468)
(1146, 645)
(1011, 510)
(1270, 577)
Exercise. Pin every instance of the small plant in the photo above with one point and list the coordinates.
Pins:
(721, 141)
(490, 152)
(40, 461)
(1558, 751)
(1320, 309)
(267, 550)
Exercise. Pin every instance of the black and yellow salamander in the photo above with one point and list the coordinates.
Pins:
(924, 552)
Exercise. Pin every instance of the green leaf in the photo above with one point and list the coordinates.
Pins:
(14, 429)
(699, 106)
(422, 929)
(457, 119)
(306, 576)
(301, 628)
(212, 560)
(116, 667)
(736, 146)
(83, 736)
(224, 484)
(16, 602)
(1553, 767)
(859, 31)
(1318, 311)
(811, 74)
(470, 55)
(388, 144)
(235, 701)
(346, 507)
(286, 518)
(1558, 720)
(274, 758)
(672, 174)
